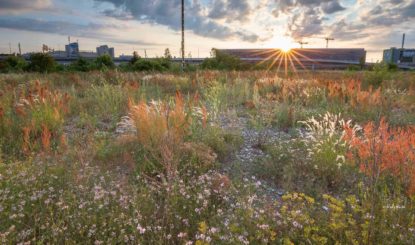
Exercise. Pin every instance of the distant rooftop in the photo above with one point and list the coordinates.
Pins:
(338, 54)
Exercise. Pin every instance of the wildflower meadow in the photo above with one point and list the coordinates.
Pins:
(207, 157)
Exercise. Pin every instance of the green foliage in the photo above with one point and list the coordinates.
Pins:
(147, 65)
(81, 64)
(223, 61)
(379, 73)
(104, 62)
(43, 63)
(13, 64)
(354, 68)
(223, 143)
(167, 54)
(107, 102)
(135, 58)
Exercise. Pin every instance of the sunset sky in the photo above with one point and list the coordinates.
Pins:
(153, 25)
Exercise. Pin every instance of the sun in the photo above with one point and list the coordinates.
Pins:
(284, 43)
(285, 49)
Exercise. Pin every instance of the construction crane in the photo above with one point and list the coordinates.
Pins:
(302, 43)
(327, 41)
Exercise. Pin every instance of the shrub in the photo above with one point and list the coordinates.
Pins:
(13, 64)
(81, 64)
(161, 130)
(106, 102)
(104, 62)
(382, 150)
(151, 65)
(222, 61)
(42, 63)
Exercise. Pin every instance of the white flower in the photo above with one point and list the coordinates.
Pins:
(141, 229)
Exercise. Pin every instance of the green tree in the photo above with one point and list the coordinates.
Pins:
(150, 65)
(135, 58)
(167, 54)
(40, 62)
(104, 62)
(81, 64)
(223, 61)
(13, 64)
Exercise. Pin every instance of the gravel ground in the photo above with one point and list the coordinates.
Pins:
(250, 152)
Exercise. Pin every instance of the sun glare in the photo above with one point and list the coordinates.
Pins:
(283, 43)
(285, 49)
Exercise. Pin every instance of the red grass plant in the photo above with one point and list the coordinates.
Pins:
(352, 92)
(33, 119)
(382, 149)
(162, 129)
(158, 121)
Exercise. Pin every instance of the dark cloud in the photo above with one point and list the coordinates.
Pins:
(23, 5)
(198, 18)
(390, 13)
(332, 7)
(91, 30)
(286, 6)
(230, 10)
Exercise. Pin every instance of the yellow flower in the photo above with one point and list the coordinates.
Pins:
(199, 242)
(287, 241)
(273, 235)
(202, 227)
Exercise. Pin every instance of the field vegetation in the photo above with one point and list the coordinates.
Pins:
(106, 156)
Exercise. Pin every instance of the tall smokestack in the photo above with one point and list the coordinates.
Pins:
(403, 40)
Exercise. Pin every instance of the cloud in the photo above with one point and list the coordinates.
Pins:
(231, 10)
(15, 6)
(380, 17)
(91, 30)
(201, 19)
(307, 16)
(389, 13)
(306, 24)
(287, 6)
(332, 7)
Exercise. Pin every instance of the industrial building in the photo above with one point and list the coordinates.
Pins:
(404, 58)
(399, 56)
(104, 49)
(310, 58)
(72, 50)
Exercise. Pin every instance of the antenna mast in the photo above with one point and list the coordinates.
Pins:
(183, 58)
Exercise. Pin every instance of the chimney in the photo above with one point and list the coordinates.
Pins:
(403, 40)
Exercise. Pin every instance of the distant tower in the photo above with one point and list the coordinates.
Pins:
(20, 49)
(403, 40)
(183, 58)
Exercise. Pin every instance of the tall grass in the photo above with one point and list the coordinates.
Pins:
(32, 120)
